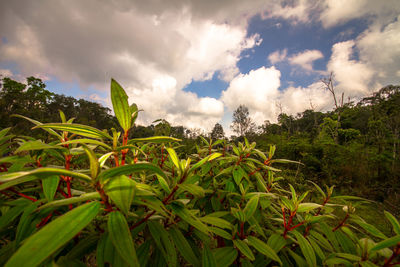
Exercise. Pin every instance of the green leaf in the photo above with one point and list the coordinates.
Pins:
(79, 129)
(183, 246)
(225, 256)
(71, 200)
(276, 242)
(348, 256)
(395, 223)
(121, 190)
(238, 173)
(41, 173)
(154, 139)
(121, 237)
(386, 243)
(54, 235)
(306, 249)
(251, 207)
(35, 145)
(220, 232)
(370, 229)
(50, 185)
(10, 215)
(244, 248)
(188, 217)
(50, 131)
(128, 169)
(174, 157)
(119, 100)
(203, 161)
(94, 164)
(86, 141)
(193, 189)
(217, 222)
(304, 207)
(163, 242)
(62, 116)
(264, 248)
(208, 259)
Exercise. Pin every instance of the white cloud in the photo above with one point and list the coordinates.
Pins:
(259, 91)
(352, 76)
(295, 11)
(277, 56)
(305, 59)
(335, 12)
(379, 47)
(144, 45)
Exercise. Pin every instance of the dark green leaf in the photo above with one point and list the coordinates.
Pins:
(121, 237)
(54, 235)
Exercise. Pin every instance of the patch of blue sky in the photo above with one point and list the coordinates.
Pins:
(279, 34)
(209, 88)
(72, 89)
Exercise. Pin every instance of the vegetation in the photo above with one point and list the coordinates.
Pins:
(81, 195)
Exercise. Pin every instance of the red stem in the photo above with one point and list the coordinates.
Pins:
(22, 195)
(341, 223)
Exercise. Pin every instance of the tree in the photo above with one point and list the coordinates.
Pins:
(242, 123)
(217, 132)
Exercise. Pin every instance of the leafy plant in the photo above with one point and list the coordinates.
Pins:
(94, 197)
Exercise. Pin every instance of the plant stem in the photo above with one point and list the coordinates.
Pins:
(341, 223)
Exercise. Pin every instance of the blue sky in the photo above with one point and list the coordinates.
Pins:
(194, 62)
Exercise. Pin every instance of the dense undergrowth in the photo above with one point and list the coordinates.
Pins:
(86, 196)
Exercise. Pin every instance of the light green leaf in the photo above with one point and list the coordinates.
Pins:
(264, 248)
(370, 229)
(217, 222)
(390, 242)
(251, 207)
(193, 189)
(185, 215)
(121, 237)
(86, 141)
(42, 173)
(50, 185)
(71, 200)
(94, 164)
(50, 131)
(306, 249)
(54, 235)
(120, 104)
(75, 128)
(304, 207)
(174, 157)
(203, 161)
(36, 145)
(121, 190)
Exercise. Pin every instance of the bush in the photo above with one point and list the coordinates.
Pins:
(97, 198)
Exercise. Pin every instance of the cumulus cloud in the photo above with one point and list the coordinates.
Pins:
(336, 12)
(353, 77)
(259, 90)
(138, 43)
(305, 59)
(277, 56)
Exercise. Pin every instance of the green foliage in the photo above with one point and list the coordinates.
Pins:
(85, 193)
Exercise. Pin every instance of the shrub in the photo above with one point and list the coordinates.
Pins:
(97, 198)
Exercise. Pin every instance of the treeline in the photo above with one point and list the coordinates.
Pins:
(354, 147)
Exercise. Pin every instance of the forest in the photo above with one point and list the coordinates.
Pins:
(82, 187)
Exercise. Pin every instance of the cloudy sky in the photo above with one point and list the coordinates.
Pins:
(192, 62)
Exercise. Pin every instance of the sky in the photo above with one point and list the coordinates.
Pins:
(193, 62)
